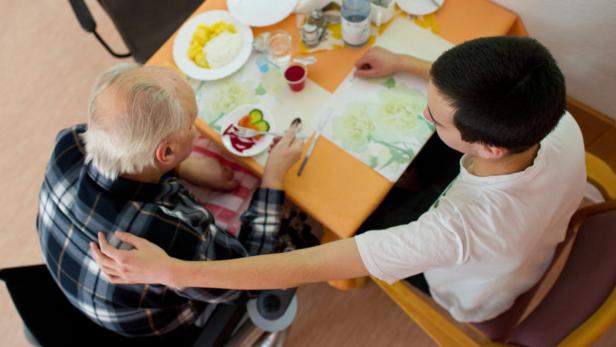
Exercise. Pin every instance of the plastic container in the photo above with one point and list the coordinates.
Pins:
(296, 77)
(356, 22)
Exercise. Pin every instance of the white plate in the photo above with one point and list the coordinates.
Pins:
(419, 7)
(261, 13)
(234, 117)
(182, 42)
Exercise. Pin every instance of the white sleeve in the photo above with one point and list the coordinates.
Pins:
(435, 240)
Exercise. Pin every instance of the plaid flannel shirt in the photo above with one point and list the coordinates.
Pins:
(76, 202)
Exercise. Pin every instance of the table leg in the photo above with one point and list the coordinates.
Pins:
(329, 236)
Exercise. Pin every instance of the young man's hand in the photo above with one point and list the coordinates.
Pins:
(379, 62)
(284, 154)
(145, 263)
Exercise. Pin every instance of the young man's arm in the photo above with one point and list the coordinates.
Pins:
(336, 260)
(378, 62)
(147, 263)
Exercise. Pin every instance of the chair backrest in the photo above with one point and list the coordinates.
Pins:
(499, 328)
(583, 285)
(586, 281)
(145, 24)
(602, 176)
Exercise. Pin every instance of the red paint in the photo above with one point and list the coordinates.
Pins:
(296, 77)
(238, 143)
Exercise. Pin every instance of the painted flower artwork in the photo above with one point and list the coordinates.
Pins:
(223, 98)
(398, 114)
(381, 123)
(247, 86)
(354, 128)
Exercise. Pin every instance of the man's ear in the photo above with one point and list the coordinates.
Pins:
(164, 153)
(490, 152)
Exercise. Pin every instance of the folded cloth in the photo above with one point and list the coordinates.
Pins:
(227, 207)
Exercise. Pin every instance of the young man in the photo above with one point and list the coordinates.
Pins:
(115, 173)
(491, 234)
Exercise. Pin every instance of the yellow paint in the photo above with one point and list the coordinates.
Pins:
(428, 22)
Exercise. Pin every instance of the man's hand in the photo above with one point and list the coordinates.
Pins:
(379, 62)
(146, 263)
(284, 154)
(207, 172)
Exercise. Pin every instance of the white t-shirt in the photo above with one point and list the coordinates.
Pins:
(487, 239)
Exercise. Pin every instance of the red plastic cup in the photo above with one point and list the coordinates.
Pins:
(296, 77)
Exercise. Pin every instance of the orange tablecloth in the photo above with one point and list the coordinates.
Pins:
(338, 190)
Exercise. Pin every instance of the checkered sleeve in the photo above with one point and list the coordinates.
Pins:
(220, 245)
(259, 234)
(261, 222)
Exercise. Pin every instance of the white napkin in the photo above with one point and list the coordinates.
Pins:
(305, 6)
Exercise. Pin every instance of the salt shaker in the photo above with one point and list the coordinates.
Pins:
(310, 34)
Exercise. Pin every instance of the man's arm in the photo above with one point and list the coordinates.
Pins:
(148, 263)
(332, 261)
(378, 62)
(261, 222)
(206, 172)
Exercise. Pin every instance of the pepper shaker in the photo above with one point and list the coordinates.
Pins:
(314, 28)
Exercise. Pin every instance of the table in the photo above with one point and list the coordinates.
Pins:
(341, 192)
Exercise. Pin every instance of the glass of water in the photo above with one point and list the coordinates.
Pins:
(279, 48)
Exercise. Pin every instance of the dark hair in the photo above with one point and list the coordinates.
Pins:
(506, 91)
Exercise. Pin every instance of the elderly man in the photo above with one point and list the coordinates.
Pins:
(117, 172)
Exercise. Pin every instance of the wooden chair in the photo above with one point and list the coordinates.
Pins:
(577, 309)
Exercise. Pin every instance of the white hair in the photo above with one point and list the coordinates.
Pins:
(144, 114)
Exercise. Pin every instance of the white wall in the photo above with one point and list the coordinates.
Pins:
(581, 34)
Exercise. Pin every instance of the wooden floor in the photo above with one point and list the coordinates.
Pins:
(47, 66)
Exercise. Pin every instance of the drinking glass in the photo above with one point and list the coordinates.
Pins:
(279, 48)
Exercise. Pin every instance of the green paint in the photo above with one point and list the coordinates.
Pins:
(260, 91)
(390, 83)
